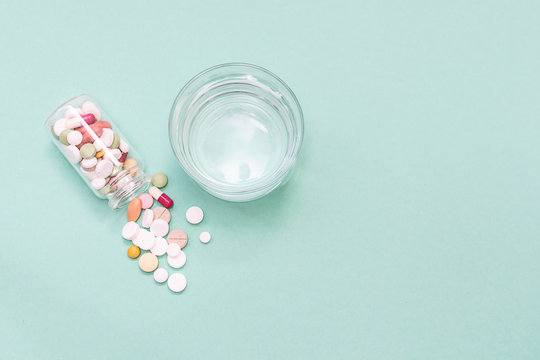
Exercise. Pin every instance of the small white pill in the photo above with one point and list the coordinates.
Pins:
(161, 275)
(73, 123)
(160, 247)
(107, 137)
(89, 173)
(73, 154)
(177, 282)
(112, 154)
(59, 126)
(205, 237)
(194, 215)
(72, 112)
(145, 239)
(159, 227)
(124, 146)
(130, 230)
(104, 168)
(147, 218)
(173, 250)
(74, 138)
(177, 261)
(89, 163)
(98, 183)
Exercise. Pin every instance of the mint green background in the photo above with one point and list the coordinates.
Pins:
(409, 231)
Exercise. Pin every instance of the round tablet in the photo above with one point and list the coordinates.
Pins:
(147, 218)
(194, 215)
(103, 168)
(159, 227)
(178, 236)
(73, 154)
(89, 163)
(162, 213)
(177, 261)
(133, 251)
(130, 230)
(107, 137)
(177, 282)
(159, 180)
(148, 262)
(147, 240)
(98, 183)
(59, 126)
(147, 200)
(160, 247)
(173, 250)
(74, 138)
(205, 237)
(88, 151)
(143, 237)
(161, 275)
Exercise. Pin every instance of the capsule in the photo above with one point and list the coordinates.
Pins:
(161, 197)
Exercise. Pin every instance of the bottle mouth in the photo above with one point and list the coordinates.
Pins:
(126, 187)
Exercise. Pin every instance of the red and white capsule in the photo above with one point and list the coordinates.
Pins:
(161, 197)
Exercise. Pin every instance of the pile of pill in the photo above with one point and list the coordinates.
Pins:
(154, 236)
(89, 141)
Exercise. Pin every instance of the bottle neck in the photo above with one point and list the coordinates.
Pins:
(126, 186)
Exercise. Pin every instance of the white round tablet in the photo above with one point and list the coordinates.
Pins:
(89, 163)
(177, 261)
(98, 183)
(74, 138)
(73, 154)
(104, 168)
(160, 247)
(177, 282)
(194, 215)
(159, 227)
(59, 126)
(161, 275)
(147, 218)
(173, 250)
(205, 237)
(147, 241)
(130, 230)
(89, 107)
(107, 137)
(124, 146)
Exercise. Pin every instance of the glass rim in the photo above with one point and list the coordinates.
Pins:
(265, 184)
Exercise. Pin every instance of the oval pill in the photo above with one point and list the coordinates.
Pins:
(134, 209)
(177, 282)
(133, 252)
(148, 262)
(73, 154)
(88, 163)
(147, 218)
(59, 126)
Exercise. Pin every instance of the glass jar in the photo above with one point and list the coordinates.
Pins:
(97, 150)
(236, 129)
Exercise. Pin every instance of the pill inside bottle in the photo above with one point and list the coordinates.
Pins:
(96, 149)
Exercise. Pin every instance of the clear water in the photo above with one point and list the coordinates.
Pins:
(238, 139)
